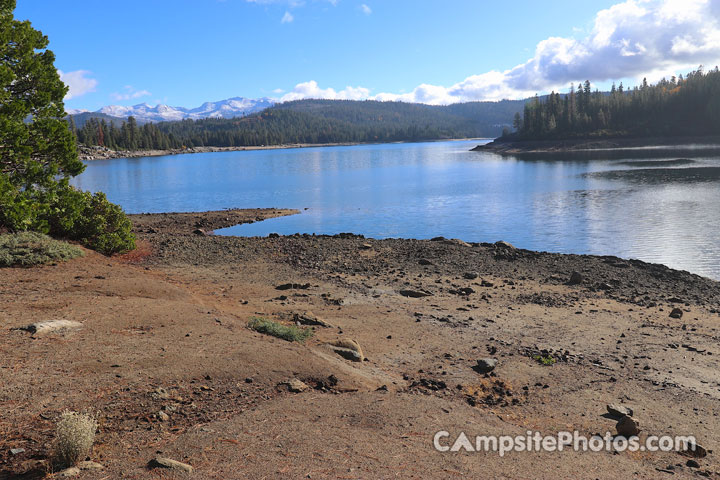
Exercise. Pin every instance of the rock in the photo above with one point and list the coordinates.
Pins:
(628, 427)
(41, 328)
(414, 293)
(505, 251)
(296, 386)
(692, 463)
(308, 318)
(457, 241)
(89, 465)
(576, 278)
(200, 232)
(289, 286)
(162, 462)
(424, 261)
(463, 291)
(619, 411)
(162, 416)
(348, 349)
(486, 365)
(160, 394)
(470, 275)
(365, 246)
(17, 451)
(694, 449)
(68, 472)
(676, 313)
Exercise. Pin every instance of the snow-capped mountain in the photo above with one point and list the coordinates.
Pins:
(232, 107)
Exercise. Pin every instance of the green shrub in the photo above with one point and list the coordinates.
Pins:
(31, 248)
(546, 360)
(68, 213)
(92, 220)
(286, 332)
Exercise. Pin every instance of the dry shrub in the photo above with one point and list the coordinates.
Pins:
(74, 437)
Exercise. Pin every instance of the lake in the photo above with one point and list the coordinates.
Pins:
(656, 205)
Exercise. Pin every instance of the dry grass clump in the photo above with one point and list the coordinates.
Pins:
(74, 437)
(26, 249)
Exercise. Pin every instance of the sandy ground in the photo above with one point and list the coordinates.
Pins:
(164, 329)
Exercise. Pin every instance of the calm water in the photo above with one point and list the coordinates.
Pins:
(655, 205)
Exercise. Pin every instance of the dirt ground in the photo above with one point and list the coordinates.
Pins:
(166, 360)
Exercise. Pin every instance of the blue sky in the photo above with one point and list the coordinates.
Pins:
(185, 52)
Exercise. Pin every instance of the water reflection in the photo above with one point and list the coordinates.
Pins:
(656, 205)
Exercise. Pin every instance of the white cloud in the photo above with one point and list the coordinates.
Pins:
(636, 38)
(78, 82)
(129, 93)
(287, 18)
(365, 9)
(312, 90)
(632, 39)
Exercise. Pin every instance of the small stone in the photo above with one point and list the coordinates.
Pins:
(296, 386)
(486, 365)
(51, 326)
(17, 451)
(424, 261)
(308, 318)
(619, 411)
(628, 427)
(365, 246)
(348, 349)
(414, 293)
(162, 416)
(89, 465)
(470, 275)
(676, 313)
(576, 278)
(200, 232)
(695, 450)
(162, 462)
(160, 394)
(692, 463)
(68, 472)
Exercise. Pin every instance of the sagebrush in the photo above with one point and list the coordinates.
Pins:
(26, 249)
(74, 437)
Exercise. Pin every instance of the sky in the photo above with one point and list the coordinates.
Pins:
(186, 52)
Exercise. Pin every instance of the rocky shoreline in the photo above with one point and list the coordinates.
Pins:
(102, 153)
(409, 337)
(515, 147)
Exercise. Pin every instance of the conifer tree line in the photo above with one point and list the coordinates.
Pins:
(128, 136)
(679, 106)
(308, 121)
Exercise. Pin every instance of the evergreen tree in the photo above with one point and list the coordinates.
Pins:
(37, 149)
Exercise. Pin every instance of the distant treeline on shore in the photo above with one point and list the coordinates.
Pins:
(679, 106)
(308, 122)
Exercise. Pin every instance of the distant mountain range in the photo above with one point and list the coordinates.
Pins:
(144, 113)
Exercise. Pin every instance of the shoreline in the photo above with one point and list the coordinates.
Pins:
(102, 153)
(514, 147)
(166, 357)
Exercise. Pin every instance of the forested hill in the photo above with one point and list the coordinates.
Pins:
(680, 106)
(312, 121)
